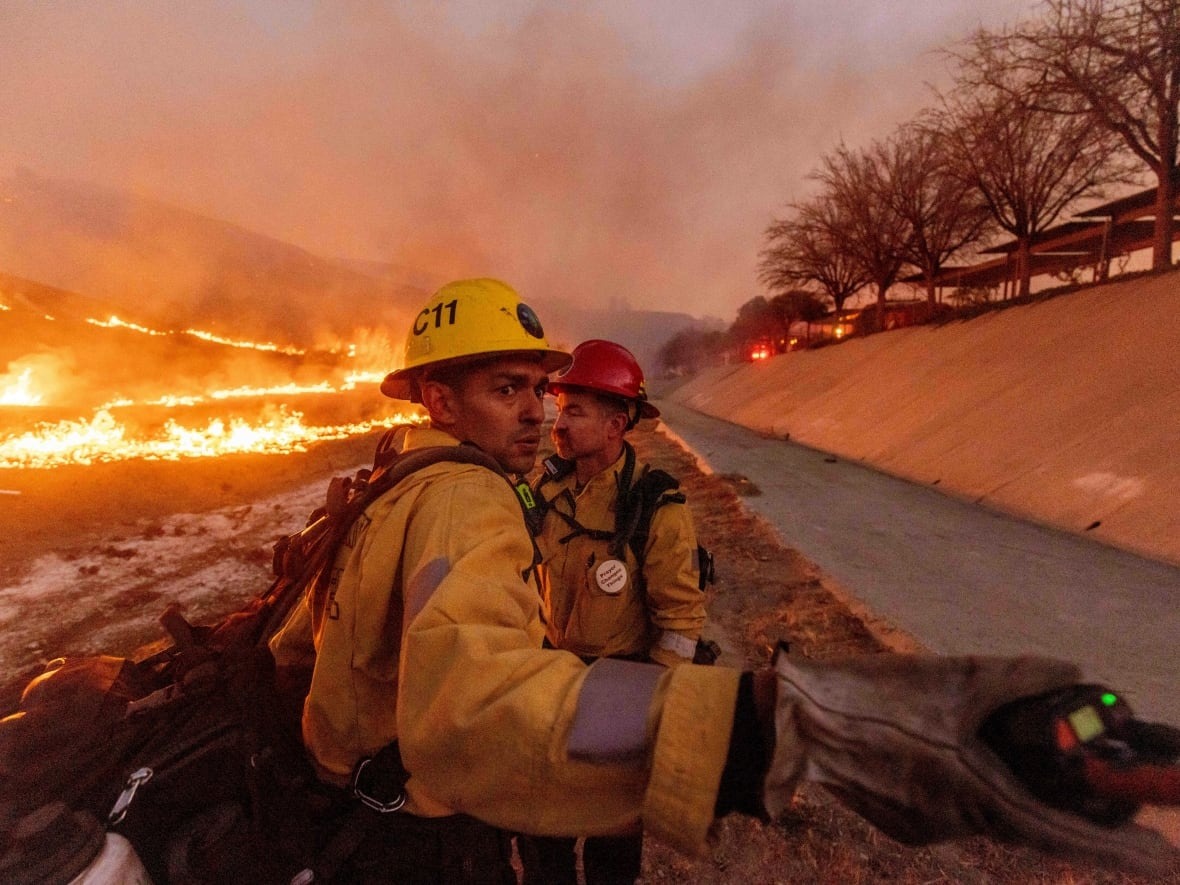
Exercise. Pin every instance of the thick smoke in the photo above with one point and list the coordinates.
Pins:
(603, 153)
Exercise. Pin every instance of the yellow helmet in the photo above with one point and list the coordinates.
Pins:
(470, 319)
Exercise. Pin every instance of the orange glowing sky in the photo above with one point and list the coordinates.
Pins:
(598, 151)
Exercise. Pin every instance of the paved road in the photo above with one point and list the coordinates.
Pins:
(955, 576)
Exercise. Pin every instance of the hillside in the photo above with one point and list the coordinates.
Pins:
(642, 331)
(170, 266)
(1064, 411)
(164, 266)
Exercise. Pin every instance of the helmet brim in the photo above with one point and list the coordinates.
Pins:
(646, 409)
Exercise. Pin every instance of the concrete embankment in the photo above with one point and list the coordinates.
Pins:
(1065, 411)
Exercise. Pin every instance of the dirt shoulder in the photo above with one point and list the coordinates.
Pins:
(90, 556)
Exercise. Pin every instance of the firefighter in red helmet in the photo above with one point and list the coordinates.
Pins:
(621, 571)
(650, 605)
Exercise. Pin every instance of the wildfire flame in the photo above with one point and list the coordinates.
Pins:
(251, 345)
(175, 401)
(20, 391)
(104, 439)
(113, 322)
(351, 382)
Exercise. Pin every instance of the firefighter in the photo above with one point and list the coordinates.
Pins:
(600, 599)
(430, 642)
(606, 595)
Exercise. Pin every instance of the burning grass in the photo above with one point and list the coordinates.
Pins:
(76, 389)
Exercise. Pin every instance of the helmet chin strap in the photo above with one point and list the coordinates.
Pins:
(633, 419)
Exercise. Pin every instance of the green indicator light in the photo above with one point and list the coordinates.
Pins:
(1109, 698)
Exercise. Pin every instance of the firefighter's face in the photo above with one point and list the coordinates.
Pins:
(498, 406)
(586, 427)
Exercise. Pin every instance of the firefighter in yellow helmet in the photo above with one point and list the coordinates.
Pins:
(621, 570)
(434, 704)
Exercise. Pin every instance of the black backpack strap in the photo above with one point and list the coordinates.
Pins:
(627, 516)
(554, 468)
(651, 491)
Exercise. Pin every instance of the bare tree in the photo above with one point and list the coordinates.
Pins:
(1028, 164)
(806, 249)
(1116, 62)
(876, 237)
(945, 212)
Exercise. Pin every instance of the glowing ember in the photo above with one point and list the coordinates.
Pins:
(103, 439)
(19, 390)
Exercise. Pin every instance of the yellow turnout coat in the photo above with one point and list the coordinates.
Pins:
(433, 637)
(597, 605)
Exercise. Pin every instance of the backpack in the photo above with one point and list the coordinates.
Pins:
(639, 499)
(192, 753)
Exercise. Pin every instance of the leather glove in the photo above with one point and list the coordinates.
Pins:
(895, 738)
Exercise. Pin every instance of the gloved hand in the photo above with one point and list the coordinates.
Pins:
(895, 738)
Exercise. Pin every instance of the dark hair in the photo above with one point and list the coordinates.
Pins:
(452, 374)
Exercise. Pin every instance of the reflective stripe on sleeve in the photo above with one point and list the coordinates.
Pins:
(679, 645)
(610, 724)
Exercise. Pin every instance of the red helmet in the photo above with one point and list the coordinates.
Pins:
(606, 367)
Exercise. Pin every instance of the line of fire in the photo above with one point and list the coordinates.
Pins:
(103, 389)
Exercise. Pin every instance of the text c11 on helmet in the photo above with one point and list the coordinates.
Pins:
(606, 367)
(468, 320)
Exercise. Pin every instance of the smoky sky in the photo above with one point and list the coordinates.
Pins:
(600, 152)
